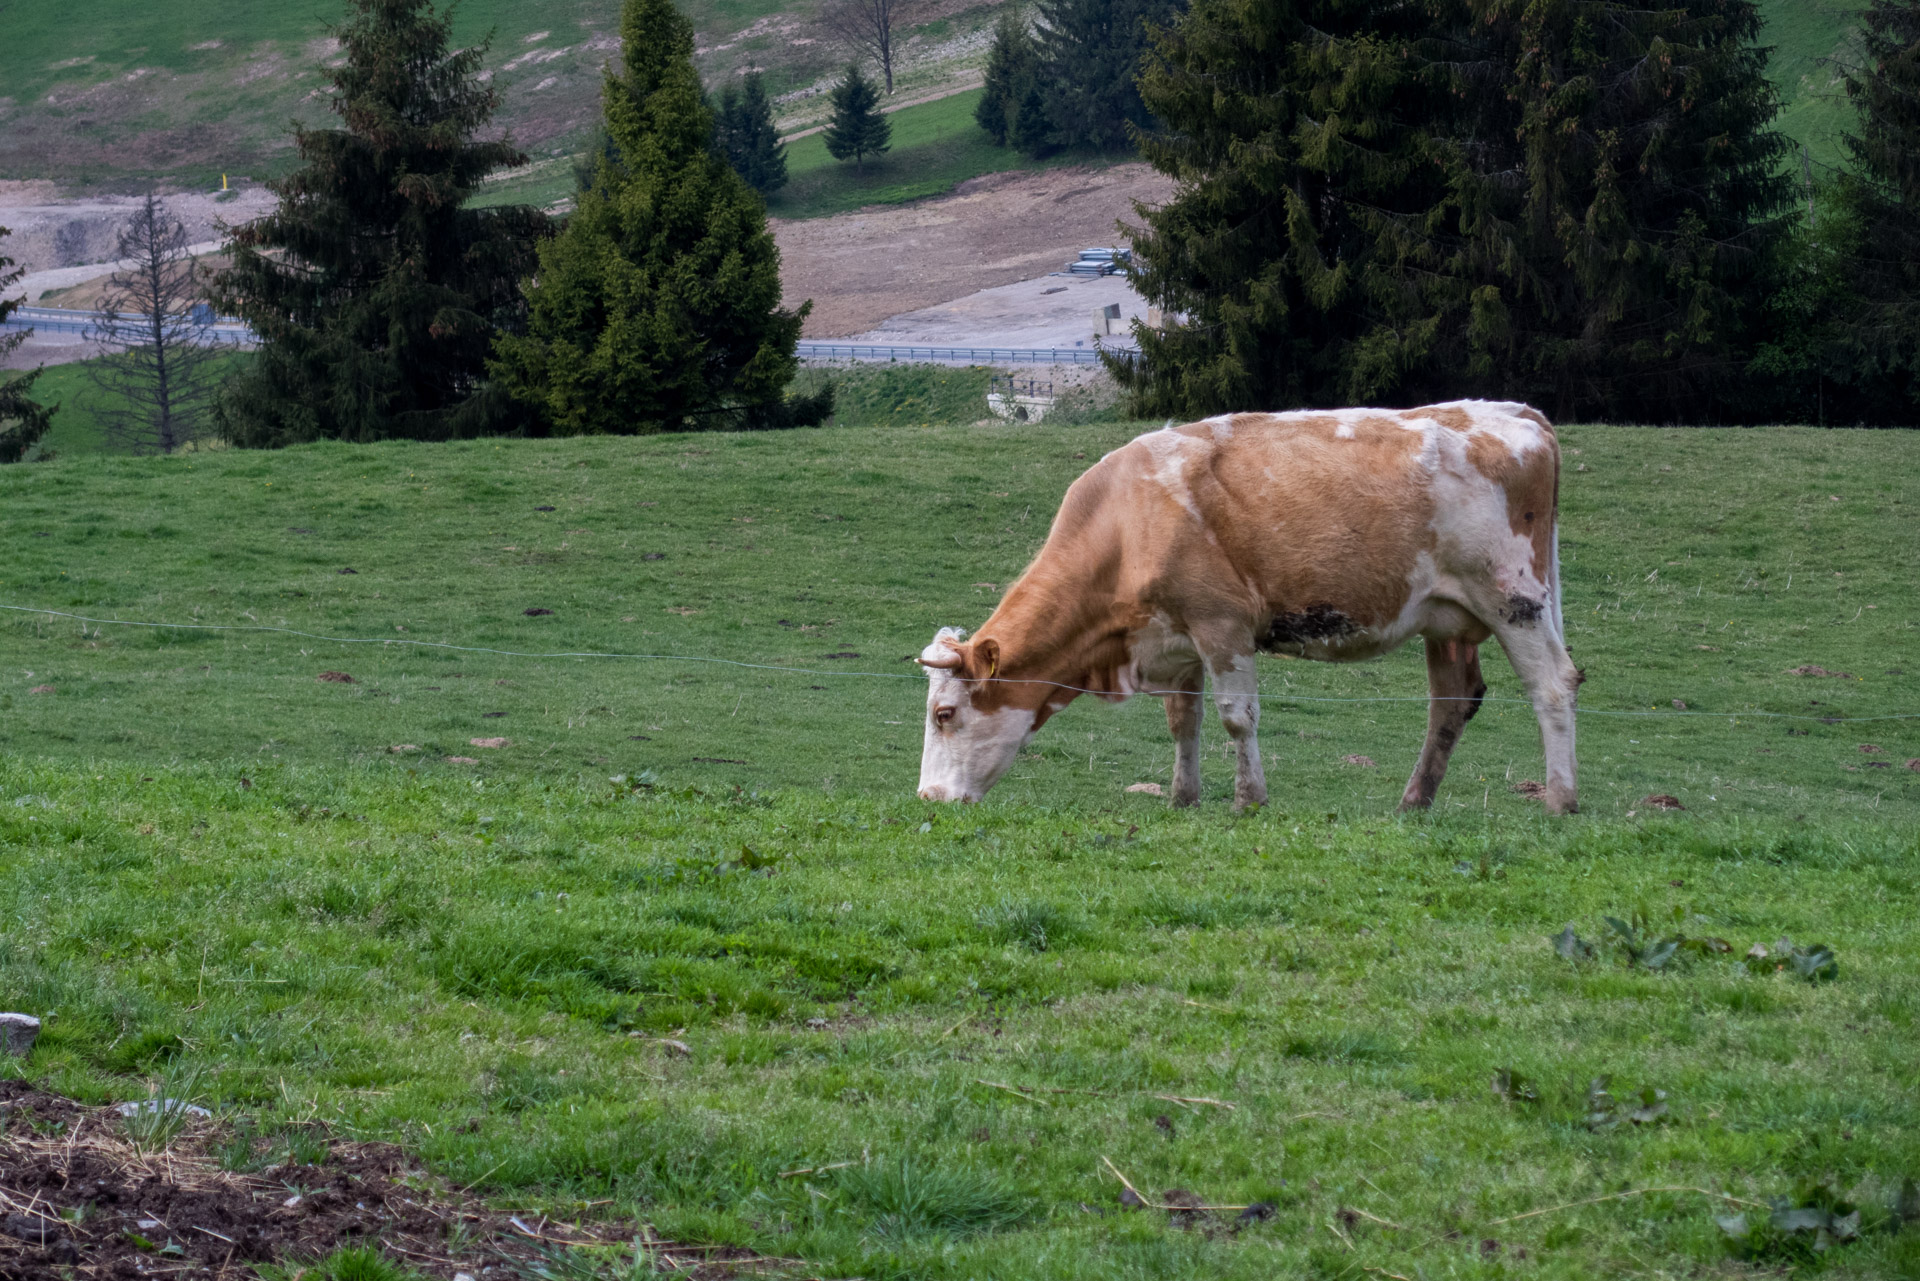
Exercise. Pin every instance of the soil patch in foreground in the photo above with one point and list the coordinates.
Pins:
(78, 1199)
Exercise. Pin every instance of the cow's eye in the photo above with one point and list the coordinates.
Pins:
(943, 716)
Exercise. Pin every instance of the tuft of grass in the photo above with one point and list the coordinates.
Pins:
(1036, 926)
(157, 1120)
(911, 1196)
(350, 1263)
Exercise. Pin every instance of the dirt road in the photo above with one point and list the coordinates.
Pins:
(860, 268)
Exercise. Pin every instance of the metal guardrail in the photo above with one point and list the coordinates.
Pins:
(882, 354)
(229, 331)
(224, 331)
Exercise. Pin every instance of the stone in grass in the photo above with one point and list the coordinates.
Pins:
(1150, 789)
(18, 1032)
(138, 1106)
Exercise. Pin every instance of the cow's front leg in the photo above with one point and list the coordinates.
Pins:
(1236, 692)
(1183, 722)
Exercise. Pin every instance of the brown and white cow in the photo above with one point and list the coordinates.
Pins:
(1334, 535)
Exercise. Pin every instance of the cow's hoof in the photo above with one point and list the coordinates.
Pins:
(1185, 800)
(1561, 803)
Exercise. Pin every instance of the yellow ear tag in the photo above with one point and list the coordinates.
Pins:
(995, 669)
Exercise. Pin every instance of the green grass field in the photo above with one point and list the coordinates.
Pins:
(210, 858)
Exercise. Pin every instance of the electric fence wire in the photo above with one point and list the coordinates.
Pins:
(895, 676)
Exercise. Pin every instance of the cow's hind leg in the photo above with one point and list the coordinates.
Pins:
(1183, 721)
(1540, 659)
(1236, 692)
(1454, 691)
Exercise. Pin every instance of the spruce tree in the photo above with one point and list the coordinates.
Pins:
(1627, 266)
(1881, 199)
(375, 291)
(22, 421)
(1090, 55)
(1298, 134)
(1563, 201)
(658, 307)
(1013, 66)
(856, 128)
(748, 138)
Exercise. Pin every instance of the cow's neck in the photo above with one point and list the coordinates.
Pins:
(1058, 630)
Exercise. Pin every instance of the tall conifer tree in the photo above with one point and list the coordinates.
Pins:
(1013, 68)
(1654, 189)
(1565, 201)
(856, 128)
(1090, 55)
(1289, 125)
(375, 291)
(1882, 197)
(658, 307)
(744, 126)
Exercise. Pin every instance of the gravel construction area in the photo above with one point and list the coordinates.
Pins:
(79, 1199)
(864, 267)
(50, 233)
(970, 268)
(1054, 311)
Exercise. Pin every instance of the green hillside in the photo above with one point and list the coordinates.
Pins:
(1811, 39)
(107, 93)
(102, 93)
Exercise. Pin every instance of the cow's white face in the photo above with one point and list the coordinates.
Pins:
(966, 750)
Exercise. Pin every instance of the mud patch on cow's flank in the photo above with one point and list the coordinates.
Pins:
(1306, 626)
(98, 1206)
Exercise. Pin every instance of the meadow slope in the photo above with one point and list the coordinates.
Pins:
(682, 944)
(108, 94)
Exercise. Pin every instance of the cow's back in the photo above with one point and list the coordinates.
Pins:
(1344, 511)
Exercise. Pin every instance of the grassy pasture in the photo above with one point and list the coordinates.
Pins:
(208, 857)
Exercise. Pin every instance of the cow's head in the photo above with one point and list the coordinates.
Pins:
(974, 728)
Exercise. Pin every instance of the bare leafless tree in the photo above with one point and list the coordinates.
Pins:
(867, 27)
(159, 374)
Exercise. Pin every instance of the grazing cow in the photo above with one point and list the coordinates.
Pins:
(1333, 535)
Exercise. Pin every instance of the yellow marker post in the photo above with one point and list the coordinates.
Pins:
(223, 182)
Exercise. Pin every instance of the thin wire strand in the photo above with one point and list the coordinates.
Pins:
(897, 676)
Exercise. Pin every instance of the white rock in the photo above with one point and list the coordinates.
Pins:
(18, 1032)
(162, 1105)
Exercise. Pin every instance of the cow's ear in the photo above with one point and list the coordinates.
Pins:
(986, 659)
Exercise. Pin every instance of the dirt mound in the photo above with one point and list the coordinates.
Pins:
(77, 1198)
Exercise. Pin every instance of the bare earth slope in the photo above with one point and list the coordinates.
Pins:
(860, 268)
